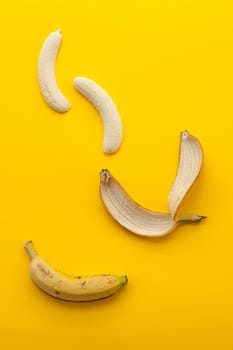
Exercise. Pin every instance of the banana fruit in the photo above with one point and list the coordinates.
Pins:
(107, 110)
(67, 287)
(46, 73)
(133, 216)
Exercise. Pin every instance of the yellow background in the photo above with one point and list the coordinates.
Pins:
(168, 66)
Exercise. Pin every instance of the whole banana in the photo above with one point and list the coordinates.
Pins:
(67, 287)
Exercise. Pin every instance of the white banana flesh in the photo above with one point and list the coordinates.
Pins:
(107, 110)
(46, 73)
(133, 216)
(190, 161)
(71, 288)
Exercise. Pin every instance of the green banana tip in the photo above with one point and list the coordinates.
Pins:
(190, 218)
(124, 279)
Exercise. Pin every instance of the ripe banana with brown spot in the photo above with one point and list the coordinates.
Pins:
(46, 73)
(71, 288)
(133, 216)
(107, 110)
(190, 161)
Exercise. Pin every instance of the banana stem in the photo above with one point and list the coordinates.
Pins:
(30, 250)
(190, 218)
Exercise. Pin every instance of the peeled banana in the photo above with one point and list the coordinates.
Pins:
(107, 109)
(46, 73)
(67, 287)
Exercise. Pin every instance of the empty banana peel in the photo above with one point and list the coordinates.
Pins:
(134, 217)
(146, 222)
(190, 161)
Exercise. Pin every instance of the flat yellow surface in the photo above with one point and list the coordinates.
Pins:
(168, 66)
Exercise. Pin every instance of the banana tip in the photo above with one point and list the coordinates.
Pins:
(28, 246)
(198, 218)
(124, 279)
(104, 176)
(203, 217)
(77, 81)
(184, 134)
(27, 243)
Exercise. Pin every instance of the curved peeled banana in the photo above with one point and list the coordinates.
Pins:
(107, 109)
(71, 288)
(134, 217)
(46, 73)
(190, 161)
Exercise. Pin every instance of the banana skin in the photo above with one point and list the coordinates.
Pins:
(67, 287)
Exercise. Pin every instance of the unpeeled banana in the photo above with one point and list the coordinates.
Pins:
(71, 288)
